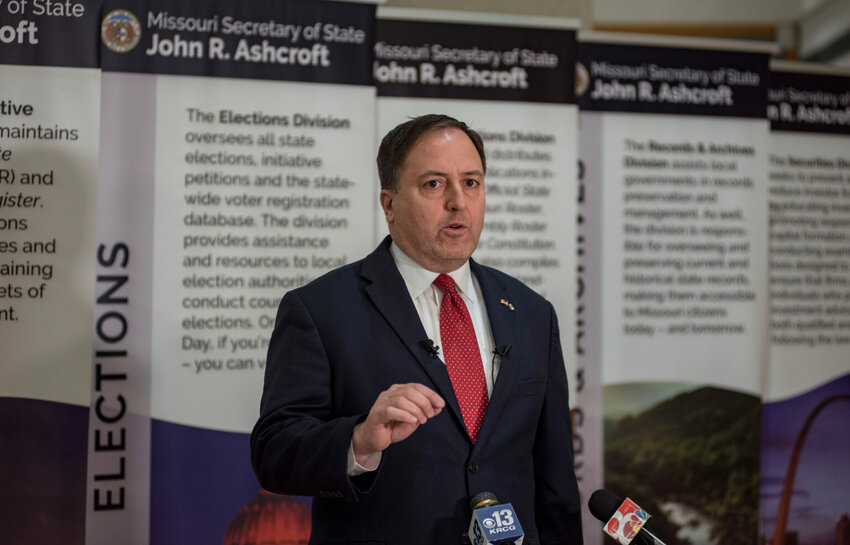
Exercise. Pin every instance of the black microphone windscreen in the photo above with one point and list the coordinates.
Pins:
(482, 499)
(603, 504)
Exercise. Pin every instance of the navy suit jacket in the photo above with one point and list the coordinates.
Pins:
(344, 338)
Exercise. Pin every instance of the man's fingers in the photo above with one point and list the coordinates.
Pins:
(433, 397)
(396, 414)
(416, 398)
(419, 408)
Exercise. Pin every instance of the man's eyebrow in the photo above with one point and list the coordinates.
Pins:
(429, 173)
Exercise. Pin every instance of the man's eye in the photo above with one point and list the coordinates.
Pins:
(471, 183)
(432, 183)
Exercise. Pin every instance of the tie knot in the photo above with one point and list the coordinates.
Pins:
(445, 283)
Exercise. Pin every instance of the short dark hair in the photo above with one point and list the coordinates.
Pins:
(397, 143)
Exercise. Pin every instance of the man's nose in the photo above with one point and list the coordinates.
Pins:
(455, 197)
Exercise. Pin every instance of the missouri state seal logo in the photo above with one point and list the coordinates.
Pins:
(120, 31)
(582, 79)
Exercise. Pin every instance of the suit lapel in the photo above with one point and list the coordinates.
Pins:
(389, 294)
(502, 317)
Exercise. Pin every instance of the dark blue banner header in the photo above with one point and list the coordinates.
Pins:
(802, 101)
(50, 32)
(446, 60)
(295, 40)
(655, 79)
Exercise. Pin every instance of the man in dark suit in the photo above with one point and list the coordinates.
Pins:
(373, 406)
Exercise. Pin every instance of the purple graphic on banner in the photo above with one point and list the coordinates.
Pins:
(42, 472)
(818, 493)
(205, 495)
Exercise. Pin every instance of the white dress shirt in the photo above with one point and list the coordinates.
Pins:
(426, 299)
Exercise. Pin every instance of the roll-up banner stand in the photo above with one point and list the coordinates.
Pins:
(805, 473)
(674, 153)
(511, 79)
(236, 164)
(49, 110)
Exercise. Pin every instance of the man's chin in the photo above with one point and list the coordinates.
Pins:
(454, 259)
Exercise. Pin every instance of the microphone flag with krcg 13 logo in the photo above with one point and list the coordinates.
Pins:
(493, 523)
(626, 522)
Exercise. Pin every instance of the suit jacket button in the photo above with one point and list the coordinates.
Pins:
(474, 467)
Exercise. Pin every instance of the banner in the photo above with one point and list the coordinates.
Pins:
(807, 392)
(673, 151)
(238, 150)
(49, 117)
(510, 79)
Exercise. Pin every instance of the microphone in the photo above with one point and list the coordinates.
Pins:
(493, 523)
(502, 351)
(624, 520)
(428, 346)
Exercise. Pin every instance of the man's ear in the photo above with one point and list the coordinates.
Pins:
(386, 198)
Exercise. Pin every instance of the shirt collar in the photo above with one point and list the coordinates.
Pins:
(418, 279)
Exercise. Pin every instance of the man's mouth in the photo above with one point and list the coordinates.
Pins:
(455, 228)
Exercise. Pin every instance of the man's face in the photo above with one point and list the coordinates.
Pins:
(438, 212)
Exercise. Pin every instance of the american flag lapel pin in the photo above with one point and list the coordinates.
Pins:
(507, 303)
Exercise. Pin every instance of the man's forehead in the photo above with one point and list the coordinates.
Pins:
(458, 138)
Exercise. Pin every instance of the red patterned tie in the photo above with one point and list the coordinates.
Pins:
(462, 357)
